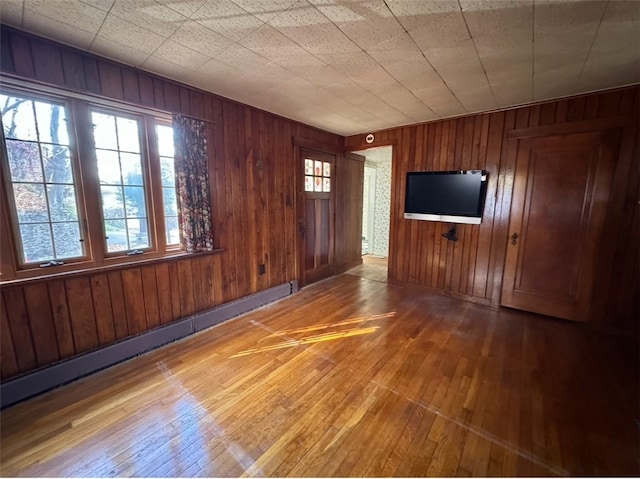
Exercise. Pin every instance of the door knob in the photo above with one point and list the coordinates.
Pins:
(514, 238)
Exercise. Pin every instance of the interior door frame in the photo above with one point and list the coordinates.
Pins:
(299, 146)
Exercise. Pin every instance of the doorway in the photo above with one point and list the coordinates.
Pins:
(376, 210)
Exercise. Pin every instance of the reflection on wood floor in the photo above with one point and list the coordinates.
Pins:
(349, 377)
(372, 267)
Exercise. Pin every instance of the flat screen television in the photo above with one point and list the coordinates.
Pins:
(450, 196)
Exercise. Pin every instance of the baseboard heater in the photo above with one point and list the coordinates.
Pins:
(61, 373)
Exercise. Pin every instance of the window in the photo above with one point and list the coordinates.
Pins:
(317, 175)
(125, 204)
(42, 180)
(164, 135)
(122, 186)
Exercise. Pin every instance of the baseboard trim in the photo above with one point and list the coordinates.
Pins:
(42, 380)
(449, 294)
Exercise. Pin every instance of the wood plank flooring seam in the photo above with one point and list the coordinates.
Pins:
(496, 440)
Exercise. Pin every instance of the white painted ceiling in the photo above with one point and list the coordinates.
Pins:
(353, 66)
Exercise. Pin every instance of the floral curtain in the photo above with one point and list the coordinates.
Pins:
(192, 183)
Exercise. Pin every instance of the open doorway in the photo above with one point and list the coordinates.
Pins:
(376, 212)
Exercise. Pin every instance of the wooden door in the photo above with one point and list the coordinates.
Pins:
(560, 197)
(316, 217)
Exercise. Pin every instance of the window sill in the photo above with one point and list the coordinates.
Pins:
(99, 269)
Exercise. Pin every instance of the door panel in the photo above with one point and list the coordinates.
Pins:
(560, 196)
(316, 218)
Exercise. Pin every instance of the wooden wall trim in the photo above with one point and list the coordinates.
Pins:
(596, 124)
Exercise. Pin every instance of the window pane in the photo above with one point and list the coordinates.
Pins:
(318, 183)
(57, 164)
(173, 231)
(326, 168)
(134, 201)
(104, 131)
(62, 200)
(116, 232)
(36, 242)
(31, 203)
(138, 234)
(131, 169)
(52, 123)
(165, 140)
(167, 171)
(18, 118)
(170, 202)
(326, 185)
(112, 202)
(308, 167)
(66, 237)
(317, 170)
(24, 161)
(108, 167)
(128, 137)
(308, 183)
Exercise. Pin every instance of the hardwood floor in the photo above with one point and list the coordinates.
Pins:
(349, 377)
(372, 267)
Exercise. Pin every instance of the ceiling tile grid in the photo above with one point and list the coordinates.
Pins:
(351, 66)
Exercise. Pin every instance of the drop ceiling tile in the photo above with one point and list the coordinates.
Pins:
(199, 38)
(149, 15)
(68, 12)
(299, 59)
(104, 5)
(241, 58)
(502, 33)
(227, 19)
(373, 77)
(343, 12)
(323, 75)
(414, 14)
(268, 42)
(120, 31)
(58, 31)
(516, 91)
(553, 84)
(395, 50)
(351, 64)
(184, 7)
(333, 42)
(377, 27)
(440, 99)
(11, 12)
(413, 67)
(121, 52)
(216, 72)
(265, 10)
(610, 57)
(177, 54)
(270, 74)
(469, 89)
(303, 24)
(559, 44)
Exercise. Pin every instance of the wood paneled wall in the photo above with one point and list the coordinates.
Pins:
(253, 207)
(472, 267)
